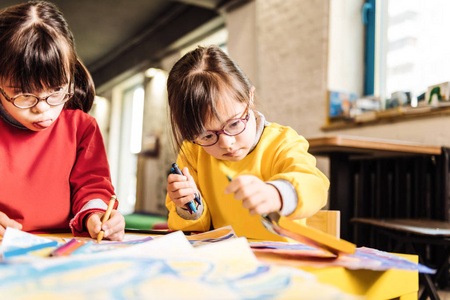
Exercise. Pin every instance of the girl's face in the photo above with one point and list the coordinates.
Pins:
(232, 148)
(36, 118)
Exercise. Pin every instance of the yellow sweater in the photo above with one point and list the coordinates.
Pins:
(280, 154)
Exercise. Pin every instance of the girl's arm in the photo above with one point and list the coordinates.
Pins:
(292, 183)
(90, 180)
(296, 167)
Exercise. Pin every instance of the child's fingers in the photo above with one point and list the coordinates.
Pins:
(115, 233)
(179, 189)
(256, 195)
(114, 228)
(179, 186)
(261, 208)
(186, 173)
(116, 236)
(94, 224)
(181, 192)
(239, 183)
(242, 186)
(190, 179)
(5, 221)
(95, 220)
(176, 178)
(265, 199)
(180, 197)
(116, 220)
(2, 230)
(181, 201)
(231, 187)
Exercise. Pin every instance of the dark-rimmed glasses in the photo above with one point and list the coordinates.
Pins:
(30, 100)
(231, 128)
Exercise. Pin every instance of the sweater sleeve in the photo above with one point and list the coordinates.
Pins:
(90, 179)
(295, 165)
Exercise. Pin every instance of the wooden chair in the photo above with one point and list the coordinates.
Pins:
(327, 221)
(410, 232)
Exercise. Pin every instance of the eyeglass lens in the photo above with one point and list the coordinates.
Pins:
(28, 100)
(235, 127)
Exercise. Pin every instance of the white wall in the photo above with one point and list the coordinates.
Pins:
(288, 60)
(242, 43)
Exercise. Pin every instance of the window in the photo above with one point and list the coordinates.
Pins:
(125, 139)
(410, 48)
(130, 137)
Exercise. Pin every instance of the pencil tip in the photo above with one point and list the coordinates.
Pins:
(100, 236)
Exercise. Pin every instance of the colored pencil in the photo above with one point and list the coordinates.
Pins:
(69, 250)
(106, 217)
(84, 248)
(60, 250)
(22, 251)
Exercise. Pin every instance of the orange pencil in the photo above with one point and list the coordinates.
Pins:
(60, 250)
(72, 248)
(106, 217)
(67, 248)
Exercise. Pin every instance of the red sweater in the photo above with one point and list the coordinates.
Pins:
(47, 177)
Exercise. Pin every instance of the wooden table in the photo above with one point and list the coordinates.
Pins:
(390, 284)
(400, 284)
(351, 195)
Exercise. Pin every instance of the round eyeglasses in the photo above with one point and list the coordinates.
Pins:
(30, 100)
(231, 128)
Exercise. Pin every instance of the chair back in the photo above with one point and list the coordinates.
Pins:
(327, 221)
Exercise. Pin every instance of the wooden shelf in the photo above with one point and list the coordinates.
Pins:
(371, 147)
(390, 116)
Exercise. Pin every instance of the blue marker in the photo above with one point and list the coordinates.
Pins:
(190, 205)
(22, 251)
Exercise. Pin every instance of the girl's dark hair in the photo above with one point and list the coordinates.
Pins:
(196, 84)
(38, 52)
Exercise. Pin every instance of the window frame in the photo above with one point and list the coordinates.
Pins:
(368, 16)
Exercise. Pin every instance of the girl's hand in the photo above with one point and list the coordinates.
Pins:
(256, 195)
(114, 228)
(181, 188)
(7, 222)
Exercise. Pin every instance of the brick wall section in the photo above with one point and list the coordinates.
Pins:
(292, 51)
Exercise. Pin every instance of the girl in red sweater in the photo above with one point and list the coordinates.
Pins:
(53, 165)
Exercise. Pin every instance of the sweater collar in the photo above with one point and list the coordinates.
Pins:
(5, 115)
(261, 123)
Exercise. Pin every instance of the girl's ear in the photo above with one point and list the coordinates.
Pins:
(252, 95)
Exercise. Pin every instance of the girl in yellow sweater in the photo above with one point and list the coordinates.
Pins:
(222, 137)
